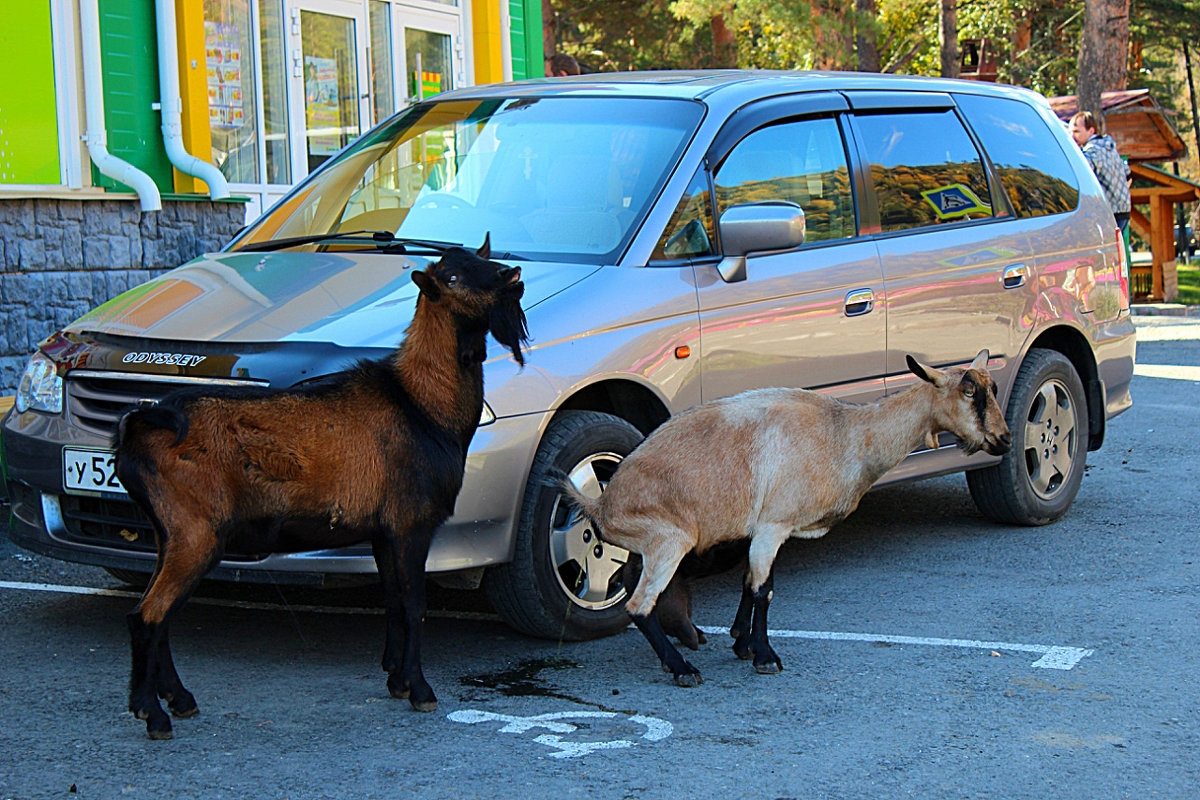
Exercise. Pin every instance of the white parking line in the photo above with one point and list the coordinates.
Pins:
(1052, 656)
(1167, 371)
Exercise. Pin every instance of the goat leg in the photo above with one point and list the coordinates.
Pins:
(684, 673)
(143, 679)
(765, 660)
(740, 630)
(394, 641)
(180, 702)
(404, 595)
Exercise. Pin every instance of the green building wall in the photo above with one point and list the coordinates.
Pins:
(28, 111)
(129, 58)
(525, 26)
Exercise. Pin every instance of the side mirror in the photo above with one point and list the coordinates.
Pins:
(757, 227)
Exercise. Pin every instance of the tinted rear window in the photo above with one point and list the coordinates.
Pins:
(925, 168)
(1031, 164)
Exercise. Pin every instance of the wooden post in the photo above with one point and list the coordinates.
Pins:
(1160, 247)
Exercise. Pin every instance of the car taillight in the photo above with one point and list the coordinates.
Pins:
(1123, 270)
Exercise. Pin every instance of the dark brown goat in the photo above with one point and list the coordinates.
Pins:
(375, 453)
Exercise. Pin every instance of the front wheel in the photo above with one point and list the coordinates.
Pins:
(1036, 481)
(564, 582)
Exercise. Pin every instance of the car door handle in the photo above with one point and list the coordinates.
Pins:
(1014, 276)
(859, 302)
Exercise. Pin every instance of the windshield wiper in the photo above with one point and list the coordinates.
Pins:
(314, 238)
(384, 242)
(400, 244)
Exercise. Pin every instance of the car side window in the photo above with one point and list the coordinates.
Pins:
(803, 162)
(925, 169)
(689, 234)
(1029, 160)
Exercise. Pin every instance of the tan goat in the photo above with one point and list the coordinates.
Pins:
(767, 465)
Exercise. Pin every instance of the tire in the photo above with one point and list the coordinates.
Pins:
(545, 590)
(138, 580)
(1036, 482)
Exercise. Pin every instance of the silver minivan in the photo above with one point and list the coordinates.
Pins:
(682, 236)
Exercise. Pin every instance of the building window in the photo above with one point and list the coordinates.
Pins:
(232, 106)
(383, 98)
(275, 106)
(429, 62)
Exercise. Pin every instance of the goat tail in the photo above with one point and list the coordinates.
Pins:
(588, 506)
(161, 417)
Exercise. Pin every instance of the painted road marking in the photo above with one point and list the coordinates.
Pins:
(655, 729)
(1167, 371)
(1052, 656)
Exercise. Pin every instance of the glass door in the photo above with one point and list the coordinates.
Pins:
(328, 69)
(432, 53)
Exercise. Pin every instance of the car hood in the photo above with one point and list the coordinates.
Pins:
(350, 300)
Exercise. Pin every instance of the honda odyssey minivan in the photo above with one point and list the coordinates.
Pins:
(682, 237)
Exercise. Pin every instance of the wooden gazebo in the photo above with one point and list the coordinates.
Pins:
(1144, 134)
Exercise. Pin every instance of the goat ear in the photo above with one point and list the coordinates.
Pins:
(427, 284)
(934, 376)
(981, 360)
(485, 250)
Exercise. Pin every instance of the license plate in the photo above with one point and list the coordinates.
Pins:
(90, 471)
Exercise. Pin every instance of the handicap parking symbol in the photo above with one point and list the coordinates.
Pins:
(559, 730)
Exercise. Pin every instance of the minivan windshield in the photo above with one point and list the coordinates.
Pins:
(553, 178)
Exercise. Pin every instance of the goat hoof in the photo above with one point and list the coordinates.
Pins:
(769, 668)
(424, 706)
(182, 706)
(700, 637)
(688, 680)
(159, 729)
(744, 652)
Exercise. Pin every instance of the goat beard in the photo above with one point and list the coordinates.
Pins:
(506, 321)
(970, 448)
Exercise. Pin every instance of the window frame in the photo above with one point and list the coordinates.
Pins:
(765, 113)
(882, 103)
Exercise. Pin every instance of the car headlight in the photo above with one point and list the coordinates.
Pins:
(41, 388)
(486, 417)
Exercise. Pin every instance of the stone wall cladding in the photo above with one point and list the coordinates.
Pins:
(63, 257)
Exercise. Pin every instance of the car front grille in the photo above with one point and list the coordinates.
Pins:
(117, 524)
(96, 400)
(109, 523)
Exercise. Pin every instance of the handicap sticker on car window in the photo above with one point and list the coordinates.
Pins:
(955, 201)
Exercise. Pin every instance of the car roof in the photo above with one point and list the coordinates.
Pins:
(736, 86)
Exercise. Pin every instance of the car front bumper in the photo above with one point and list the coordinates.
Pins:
(49, 521)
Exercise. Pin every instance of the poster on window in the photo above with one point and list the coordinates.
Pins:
(223, 60)
(321, 105)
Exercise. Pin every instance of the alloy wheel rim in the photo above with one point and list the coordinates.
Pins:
(588, 570)
(1050, 439)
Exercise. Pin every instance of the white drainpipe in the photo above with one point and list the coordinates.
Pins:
(93, 97)
(172, 105)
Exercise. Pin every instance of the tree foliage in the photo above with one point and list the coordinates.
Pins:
(1035, 42)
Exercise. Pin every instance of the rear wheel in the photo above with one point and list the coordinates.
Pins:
(1036, 481)
(563, 581)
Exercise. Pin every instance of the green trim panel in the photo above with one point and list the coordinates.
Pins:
(28, 111)
(129, 60)
(525, 35)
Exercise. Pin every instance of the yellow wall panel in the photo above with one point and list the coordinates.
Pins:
(488, 36)
(193, 88)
